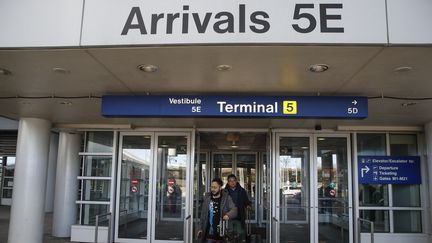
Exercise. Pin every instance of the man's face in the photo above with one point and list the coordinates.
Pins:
(215, 188)
(232, 182)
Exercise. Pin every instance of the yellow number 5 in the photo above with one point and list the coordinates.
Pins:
(289, 107)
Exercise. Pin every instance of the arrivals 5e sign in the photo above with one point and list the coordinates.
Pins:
(389, 170)
(114, 22)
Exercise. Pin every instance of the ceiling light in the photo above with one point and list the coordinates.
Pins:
(224, 67)
(233, 145)
(304, 147)
(402, 69)
(5, 72)
(61, 70)
(321, 139)
(148, 68)
(318, 68)
(25, 102)
(68, 103)
(408, 104)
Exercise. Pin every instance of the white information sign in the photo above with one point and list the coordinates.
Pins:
(141, 22)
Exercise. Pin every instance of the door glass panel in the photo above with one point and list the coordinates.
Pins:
(246, 175)
(171, 187)
(134, 187)
(222, 166)
(294, 161)
(332, 176)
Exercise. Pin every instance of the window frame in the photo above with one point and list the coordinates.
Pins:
(390, 208)
(82, 178)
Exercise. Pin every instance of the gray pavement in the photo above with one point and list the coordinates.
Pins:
(4, 227)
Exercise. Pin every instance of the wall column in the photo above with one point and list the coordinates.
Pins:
(28, 199)
(66, 185)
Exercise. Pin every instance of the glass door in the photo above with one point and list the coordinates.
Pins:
(333, 180)
(171, 218)
(312, 192)
(133, 188)
(246, 172)
(293, 194)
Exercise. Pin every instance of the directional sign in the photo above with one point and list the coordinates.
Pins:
(235, 106)
(389, 170)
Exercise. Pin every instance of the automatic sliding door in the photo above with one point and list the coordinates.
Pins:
(333, 175)
(135, 170)
(293, 189)
(172, 178)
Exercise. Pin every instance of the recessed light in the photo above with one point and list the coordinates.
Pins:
(25, 102)
(321, 139)
(148, 68)
(408, 104)
(304, 147)
(318, 68)
(403, 69)
(68, 103)
(224, 67)
(5, 72)
(61, 70)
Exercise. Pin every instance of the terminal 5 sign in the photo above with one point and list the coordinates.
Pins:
(137, 22)
(344, 107)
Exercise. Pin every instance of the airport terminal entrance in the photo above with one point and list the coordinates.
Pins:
(299, 185)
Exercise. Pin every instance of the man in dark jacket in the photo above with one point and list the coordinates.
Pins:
(217, 206)
(240, 199)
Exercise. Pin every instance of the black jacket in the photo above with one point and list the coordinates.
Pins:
(241, 202)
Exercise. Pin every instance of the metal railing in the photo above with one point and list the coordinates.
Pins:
(372, 229)
(109, 217)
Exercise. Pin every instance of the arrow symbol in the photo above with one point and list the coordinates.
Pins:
(354, 102)
(364, 170)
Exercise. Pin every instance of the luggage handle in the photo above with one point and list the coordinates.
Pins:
(248, 220)
(224, 226)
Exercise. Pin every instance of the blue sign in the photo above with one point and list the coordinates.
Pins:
(235, 106)
(389, 170)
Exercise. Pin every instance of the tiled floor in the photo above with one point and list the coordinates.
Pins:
(4, 227)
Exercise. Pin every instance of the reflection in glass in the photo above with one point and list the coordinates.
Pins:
(89, 212)
(99, 166)
(172, 159)
(403, 144)
(222, 166)
(99, 142)
(407, 221)
(294, 163)
(379, 217)
(371, 144)
(246, 176)
(373, 195)
(332, 175)
(96, 190)
(134, 187)
(406, 195)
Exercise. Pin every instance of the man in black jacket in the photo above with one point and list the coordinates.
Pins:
(240, 198)
(217, 206)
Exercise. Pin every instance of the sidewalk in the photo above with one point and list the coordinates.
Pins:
(4, 227)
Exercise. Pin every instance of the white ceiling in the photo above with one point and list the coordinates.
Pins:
(354, 70)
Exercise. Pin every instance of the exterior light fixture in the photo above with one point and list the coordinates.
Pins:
(408, 104)
(5, 72)
(148, 68)
(61, 70)
(318, 68)
(224, 67)
(403, 69)
(66, 103)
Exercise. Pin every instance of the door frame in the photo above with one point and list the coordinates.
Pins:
(313, 197)
(188, 207)
(151, 214)
(118, 187)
